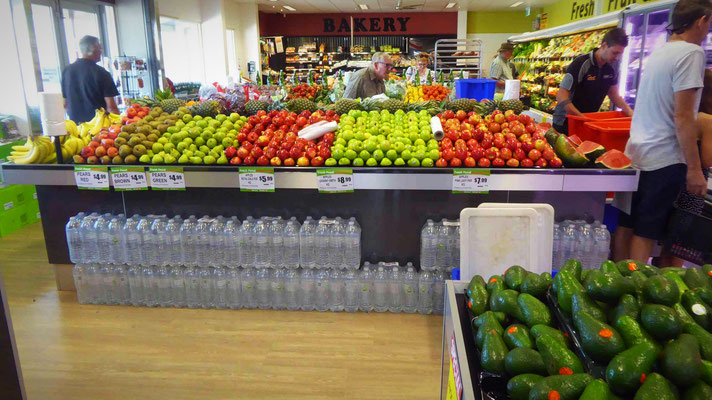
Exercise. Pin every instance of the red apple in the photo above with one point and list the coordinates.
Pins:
(499, 142)
(505, 153)
(513, 162)
(288, 162)
(483, 162)
(248, 146)
(317, 161)
(441, 163)
(555, 163)
(252, 137)
(527, 146)
(498, 163)
(283, 154)
(235, 161)
(541, 163)
(548, 154)
(249, 160)
(263, 160)
(448, 154)
(325, 153)
(527, 163)
(499, 118)
(311, 152)
(494, 127)
(256, 152)
(275, 161)
(491, 153)
(470, 162)
(540, 144)
(230, 152)
(478, 153)
(460, 153)
(455, 162)
(519, 154)
(303, 162)
(534, 154)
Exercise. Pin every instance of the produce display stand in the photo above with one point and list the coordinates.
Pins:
(458, 358)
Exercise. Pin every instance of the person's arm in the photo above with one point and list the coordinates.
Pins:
(109, 91)
(496, 73)
(687, 132)
(618, 101)
(111, 105)
(567, 85)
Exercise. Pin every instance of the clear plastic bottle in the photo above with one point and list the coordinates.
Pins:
(136, 285)
(220, 277)
(410, 290)
(456, 245)
(231, 239)
(336, 243)
(113, 240)
(80, 281)
(101, 231)
(306, 243)
(74, 238)
(381, 289)
(122, 292)
(187, 238)
(425, 289)
(191, 278)
(322, 235)
(249, 290)
(428, 245)
(94, 284)
(452, 237)
(321, 290)
(234, 288)
(395, 281)
(177, 286)
(439, 292)
(290, 240)
(307, 292)
(276, 237)
(107, 285)
(568, 243)
(88, 252)
(262, 244)
(202, 242)
(352, 245)
(247, 250)
(602, 244)
(336, 290)
(352, 290)
(173, 256)
(145, 247)
(556, 250)
(150, 285)
(291, 288)
(279, 300)
(217, 242)
(207, 286)
(586, 246)
(263, 283)
(159, 252)
(163, 279)
(366, 293)
(442, 253)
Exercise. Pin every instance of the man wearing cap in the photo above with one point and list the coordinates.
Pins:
(589, 79)
(501, 69)
(368, 82)
(664, 132)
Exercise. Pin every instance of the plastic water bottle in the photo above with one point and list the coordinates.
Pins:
(586, 246)
(207, 286)
(150, 285)
(202, 242)
(321, 243)
(101, 234)
(159, 253)
(279, 299)
(234, 288)
(104, 280)
(132, 240)
(321, 290)
(352, 290)
(428, 245)
(395, 276)
(113, 240)
(88, 239)
(336, 290)
(352, 245)
(249, 289)
(172, 239)
(74, 239)
(231, 239)
(262, 244)
(122, 292)
(568, 243)
(439, 291)
(336, 244)
(442, 254)
(556, 250)
(291, 288)
(290, 240)
(366, 295)
(146, 247)
(410, 290)
(247, 251)
(602, 244)
(163, 279)
(178, 286)
(220, 278)
(276, 232)
(263, 282)
(187, 239)
(307, 292)
(191, 277)
(425, 289)
(217, 242)
(80, 280)
(94, 283)
(381, 289)
(456, 246)
(306, 243)
(136, 285)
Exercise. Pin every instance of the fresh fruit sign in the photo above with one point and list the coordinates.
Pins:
(167, 178)
(91, 178)
(129, 178)
(339, 180)
(471, 181)
(257, 179)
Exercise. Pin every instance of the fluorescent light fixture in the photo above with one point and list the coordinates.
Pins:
(290, 8)
(450, 5)
(363, 6)
(274, 1)
(517, 4)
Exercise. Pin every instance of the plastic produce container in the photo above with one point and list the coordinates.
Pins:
(611, 134)
(688, 236)
(576, 123)
(477, 89)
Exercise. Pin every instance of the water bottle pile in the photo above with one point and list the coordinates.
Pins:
(440, 245)
(266, 263)
(588, 243)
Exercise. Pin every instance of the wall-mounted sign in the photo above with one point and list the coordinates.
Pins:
(583, 9)
(615, 5)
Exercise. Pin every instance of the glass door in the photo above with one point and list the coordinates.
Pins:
(48, 47)
(630, 61)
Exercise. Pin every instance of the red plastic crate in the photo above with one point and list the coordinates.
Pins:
(576, 123)
(611, 134)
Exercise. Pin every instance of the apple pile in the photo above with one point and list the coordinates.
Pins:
(497, 140)
(271, 139)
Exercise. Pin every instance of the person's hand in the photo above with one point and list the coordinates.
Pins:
(696, 183)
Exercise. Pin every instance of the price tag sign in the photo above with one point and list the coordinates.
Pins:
(91, 177)
(166, 178)
(257, 179)
(129, 178)
(471, 181)
(335, 180)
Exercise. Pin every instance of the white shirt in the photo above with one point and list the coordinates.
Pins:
(674, 67)
(411, 72)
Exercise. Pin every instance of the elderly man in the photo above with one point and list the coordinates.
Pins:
(369, 81)
(87, 86)
(501, 70)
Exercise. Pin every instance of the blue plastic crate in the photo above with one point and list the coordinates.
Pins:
(477, 89)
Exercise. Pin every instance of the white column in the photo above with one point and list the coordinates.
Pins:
(462, 24)
(213, 36)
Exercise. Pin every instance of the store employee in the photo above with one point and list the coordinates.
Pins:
(368, 82)
(501, 70)
(589, 79)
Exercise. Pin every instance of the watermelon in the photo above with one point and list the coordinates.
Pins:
(569, 154)
(613, 159)
(551, 136)
(591, 150)
(575, 140)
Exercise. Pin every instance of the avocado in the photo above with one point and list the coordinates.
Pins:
(518, 388)
(662, 322)
(704, 339)
(499, 316)
(661, 289)
(656, 387)
(705, 295)
(627, 306)
(698, 391)
(505, 301)
(607, 288)
(626, 267)
(490, 323)
(609, 267)
(581, 302)
(681, 361)
(628, 370)
(523, 360)
(567, 285)
(561, 387)
(494, 352)
(478, 296)
(517, 335)
(694, 278)
(632, 332)
(599, 340)
(476, 280)
(495, 283)
(698, 309)
(535, 285)
(537, 331)
(533, 311)
(596, 390)
(573, 266)
(557, 358)
(514, 276)
(706, 372)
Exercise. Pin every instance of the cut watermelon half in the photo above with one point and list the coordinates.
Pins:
(575, 140)
(613, 159)
(591, 150)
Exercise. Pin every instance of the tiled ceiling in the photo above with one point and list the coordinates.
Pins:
(351, 6)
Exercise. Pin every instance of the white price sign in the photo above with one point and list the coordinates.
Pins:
(166, 178)
(129, 178)
(335, 180)
(91, 177)
(257, 179)
(471, 181)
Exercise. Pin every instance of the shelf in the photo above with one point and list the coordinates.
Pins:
(503, 179)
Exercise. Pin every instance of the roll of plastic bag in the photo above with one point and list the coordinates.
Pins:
(511, 89)
(53, 128)
(318, 130)
(51, 107)
(437, 128)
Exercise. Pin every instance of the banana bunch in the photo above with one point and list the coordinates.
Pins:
(102, 119)
(36, 150)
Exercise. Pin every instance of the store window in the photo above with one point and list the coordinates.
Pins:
(231, 55)
(47, 52)
(78, 24)
(182, 50)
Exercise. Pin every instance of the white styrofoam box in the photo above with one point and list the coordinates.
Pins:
(545, 227)
(494, 239)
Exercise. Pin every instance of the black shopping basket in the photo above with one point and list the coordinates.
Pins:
(690, 236)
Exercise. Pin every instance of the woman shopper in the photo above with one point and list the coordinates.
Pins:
(421, 70)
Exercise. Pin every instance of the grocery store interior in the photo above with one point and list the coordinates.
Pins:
(357, 199)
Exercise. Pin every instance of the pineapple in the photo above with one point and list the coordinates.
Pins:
(171, 105)
(460, 104)
(253, 106)
(514, 105)
(209, 108)
(486, 107)
(343, 106)
(299, 105)
(392, 105)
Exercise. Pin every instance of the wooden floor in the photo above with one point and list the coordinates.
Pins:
(68, 351)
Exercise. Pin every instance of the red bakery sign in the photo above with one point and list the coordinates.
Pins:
(393, 24)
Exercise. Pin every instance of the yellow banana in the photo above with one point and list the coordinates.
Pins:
(30, 157)
(107, 122)
(23, 148)
(51, 158)
(66, 154)
(71, 127)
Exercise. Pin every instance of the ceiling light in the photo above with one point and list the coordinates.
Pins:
(290, 8)
(274, 1)
(517, 4)
(450, 5)
(363, 6)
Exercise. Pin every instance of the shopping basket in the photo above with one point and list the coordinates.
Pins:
(689, 236)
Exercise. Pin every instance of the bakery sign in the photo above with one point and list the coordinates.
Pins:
(362, 24)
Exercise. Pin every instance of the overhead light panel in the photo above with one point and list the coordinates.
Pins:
(274, 1)
(363, 6)
(517, 4)
(450, 5)
(290, 8)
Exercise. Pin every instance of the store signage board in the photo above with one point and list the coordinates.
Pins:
(90, 177)
(471, 181)
(335, 180)
(257, 179)
(166, 178)
(454, 387)
(129, 178)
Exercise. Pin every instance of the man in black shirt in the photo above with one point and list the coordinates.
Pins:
(86, 86)
(589, 79)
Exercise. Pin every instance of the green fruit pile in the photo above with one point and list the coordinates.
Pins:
(383, 139)
(198, 140)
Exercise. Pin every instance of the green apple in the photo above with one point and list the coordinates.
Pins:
(399, 162)
(345, 161)
(399, 147)
(434, 154)
(346, 135)
(356, 145)
(337, 153)
(378, 155)
(364, 155)
(187, 118)
(371, 145)
(350, 154)
(371, 162)
(419, 142)
(420, 155)
(391, 154)
(385, 146)
(201, 123)
(330, 162)
(358, 162)
(406, 154)
(234, 117)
